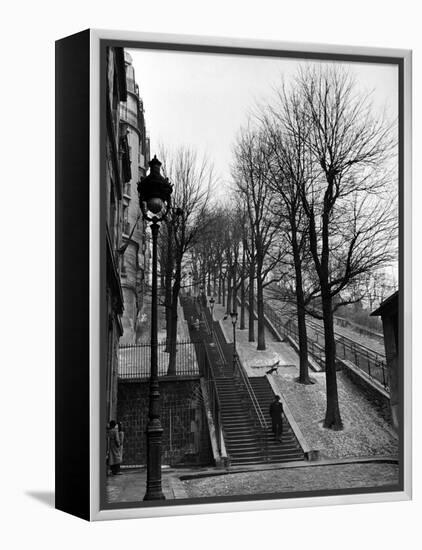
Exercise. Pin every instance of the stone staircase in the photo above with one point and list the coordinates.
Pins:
(240, 435)
(288, 449)
(246, 441)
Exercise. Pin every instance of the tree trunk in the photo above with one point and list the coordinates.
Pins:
(229, 295)
(301, 315)
(260, 311)
(303, 339)
(242, 294)
(251, 318)
(234, 293)
(168, 284)
(209, 281)
(171, 370)
(224, 292)
(219, 289)
(332, 415)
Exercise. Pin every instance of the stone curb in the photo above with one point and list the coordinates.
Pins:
(290, 465)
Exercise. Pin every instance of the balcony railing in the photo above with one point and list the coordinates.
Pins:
(129, 116)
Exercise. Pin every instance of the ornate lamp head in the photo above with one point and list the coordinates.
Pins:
(154, 192)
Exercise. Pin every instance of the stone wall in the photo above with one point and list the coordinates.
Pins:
(185, 437)
(378, 398)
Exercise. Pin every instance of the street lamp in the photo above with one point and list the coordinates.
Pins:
(154, 198)
(212, 302)
(233, 315)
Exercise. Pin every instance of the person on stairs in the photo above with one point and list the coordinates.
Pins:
(276, 413)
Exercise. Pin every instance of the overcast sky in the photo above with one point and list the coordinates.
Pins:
(202, 100)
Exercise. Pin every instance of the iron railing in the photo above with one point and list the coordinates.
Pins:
(364, 358)
(135, 360)
(241, 375)
(214, 400)
(314, 348)
(257, 415)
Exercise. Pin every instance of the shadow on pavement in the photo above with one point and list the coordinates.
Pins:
(45, 497)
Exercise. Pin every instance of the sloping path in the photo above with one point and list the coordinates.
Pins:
(257, 362)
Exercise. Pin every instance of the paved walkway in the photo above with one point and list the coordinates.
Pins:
(365, 433)
(289, 480)
(256, 362)
(130, 486)
(259, 479)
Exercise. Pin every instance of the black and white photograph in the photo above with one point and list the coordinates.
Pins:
(252, 298)
(211, 286)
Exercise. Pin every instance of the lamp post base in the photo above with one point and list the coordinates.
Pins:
(154, 495)
(154, 437)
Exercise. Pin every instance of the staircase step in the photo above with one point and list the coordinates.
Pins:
(242, 455)
(243, 421)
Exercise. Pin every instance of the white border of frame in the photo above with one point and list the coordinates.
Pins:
(162, 511)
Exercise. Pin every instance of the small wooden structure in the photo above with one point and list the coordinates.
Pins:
(389, 313)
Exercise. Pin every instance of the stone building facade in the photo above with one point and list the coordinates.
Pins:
(134, 259)
(117, 174)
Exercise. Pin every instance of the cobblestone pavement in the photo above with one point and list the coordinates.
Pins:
(130, 486)
(307, 478)
(365, 432)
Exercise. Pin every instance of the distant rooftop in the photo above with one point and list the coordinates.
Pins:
(389, 304)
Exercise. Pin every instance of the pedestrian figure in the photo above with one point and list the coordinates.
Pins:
(114, 454)
(276, 413)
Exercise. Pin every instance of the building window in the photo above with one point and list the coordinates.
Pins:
(123, 266)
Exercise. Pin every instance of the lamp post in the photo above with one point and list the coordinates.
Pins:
(154, 198)
(212, 301)
(233, 315)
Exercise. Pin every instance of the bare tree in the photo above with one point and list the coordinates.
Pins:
(251, 172)
(193, 180)
(286, 130)
(351, 221)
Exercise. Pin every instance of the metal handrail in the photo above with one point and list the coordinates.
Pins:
(376, 367)
(204, 317)
(263, 426)
(349, 340)
(214, 398)
(255, 403)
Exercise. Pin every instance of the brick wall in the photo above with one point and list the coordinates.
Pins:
(185, 437)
